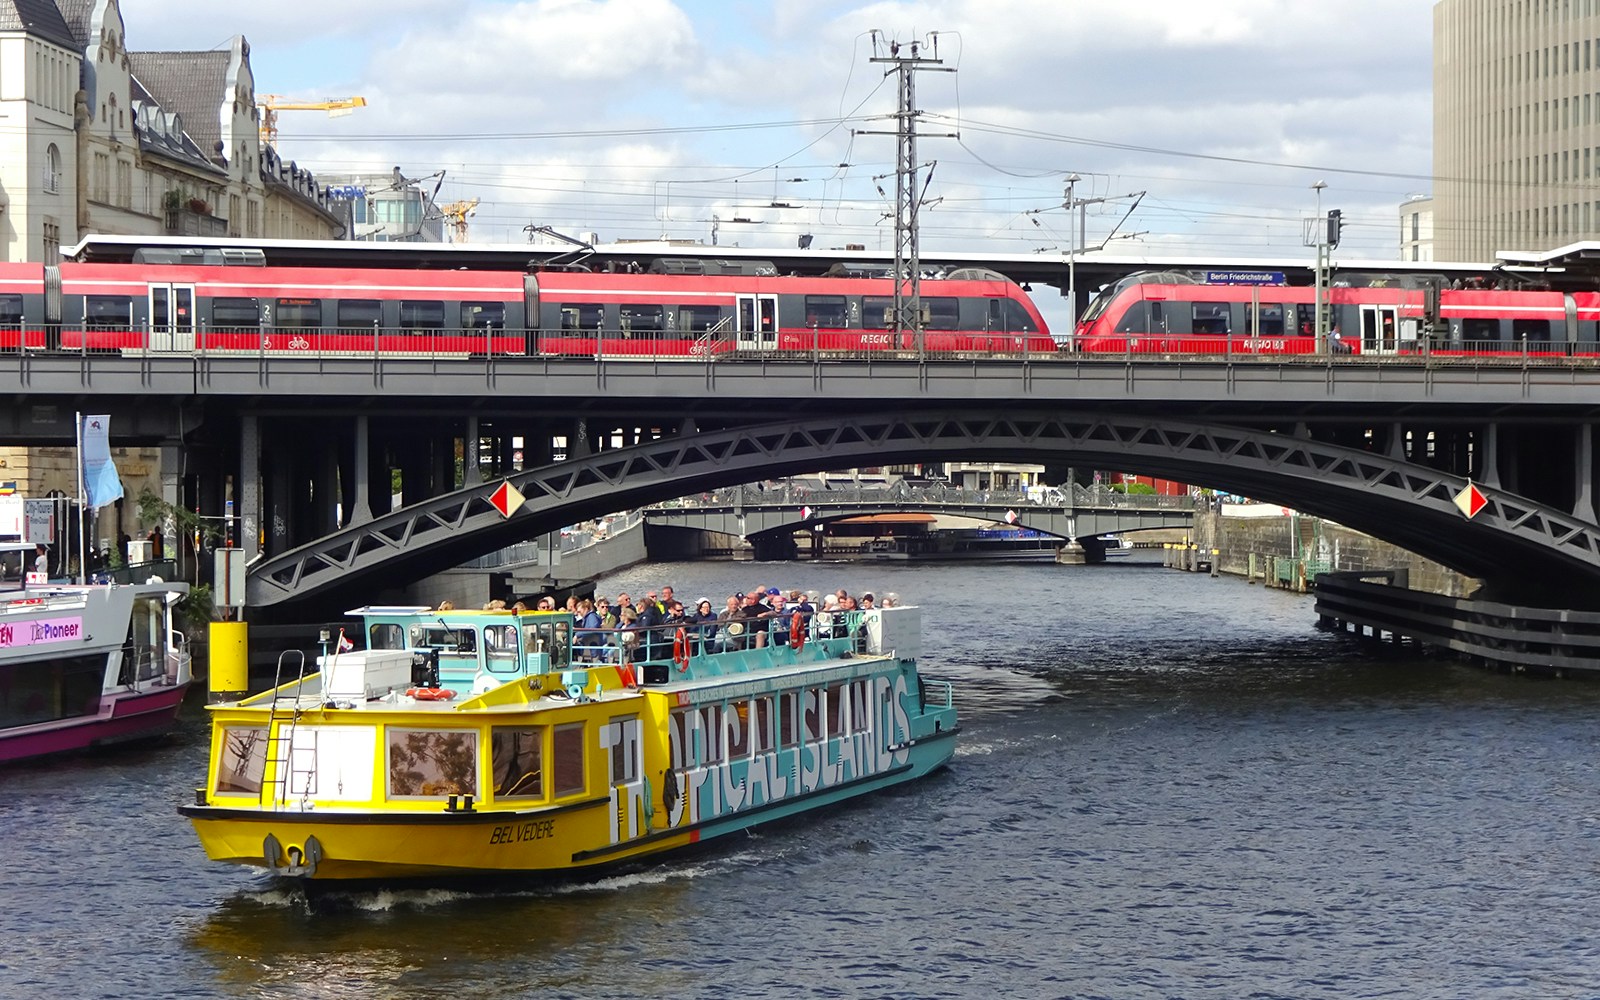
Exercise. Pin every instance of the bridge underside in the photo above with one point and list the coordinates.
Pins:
(1398, 489)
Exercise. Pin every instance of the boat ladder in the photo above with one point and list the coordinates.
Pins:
(283, 719)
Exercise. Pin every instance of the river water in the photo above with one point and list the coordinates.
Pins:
(1166, 786)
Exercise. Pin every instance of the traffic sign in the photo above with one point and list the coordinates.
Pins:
(1471, 500)
(506, 499)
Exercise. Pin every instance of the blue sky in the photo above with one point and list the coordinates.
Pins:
(615, 116)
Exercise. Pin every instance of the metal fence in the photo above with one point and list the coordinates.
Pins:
(791, 493)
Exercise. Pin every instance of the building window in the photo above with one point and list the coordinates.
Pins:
(52, 240)
(52, 169)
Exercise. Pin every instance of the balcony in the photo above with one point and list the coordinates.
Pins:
(188, 222)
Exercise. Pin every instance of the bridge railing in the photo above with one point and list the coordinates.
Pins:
(931, 494)
(572, 540)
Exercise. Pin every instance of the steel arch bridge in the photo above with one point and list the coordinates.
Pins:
(1516, 545)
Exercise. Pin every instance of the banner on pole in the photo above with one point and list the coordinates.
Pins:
(100, 480)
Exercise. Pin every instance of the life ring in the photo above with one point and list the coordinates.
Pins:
(797, 631)
(430, 694)
(680, 650)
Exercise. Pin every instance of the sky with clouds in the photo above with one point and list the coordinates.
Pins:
(1202, 124)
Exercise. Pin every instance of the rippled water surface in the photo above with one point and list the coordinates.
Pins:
(1166, 786)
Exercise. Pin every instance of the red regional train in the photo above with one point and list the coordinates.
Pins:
(219, 301)
(1176, 313)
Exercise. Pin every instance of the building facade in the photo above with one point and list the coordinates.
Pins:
(386, 208)
(1416, 228)
(1516, 141)
(118, 141)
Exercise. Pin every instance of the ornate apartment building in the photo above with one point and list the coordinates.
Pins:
(110, 140)
(1516, 140)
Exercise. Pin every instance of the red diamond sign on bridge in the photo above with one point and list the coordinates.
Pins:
(805, 513)
(1011, 517)
(1471, 500)
(506, 499)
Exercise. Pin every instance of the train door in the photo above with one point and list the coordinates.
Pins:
(171, 317)
(757, 318)
(1380, 329)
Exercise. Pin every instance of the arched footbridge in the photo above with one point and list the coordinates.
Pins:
(1374, 485)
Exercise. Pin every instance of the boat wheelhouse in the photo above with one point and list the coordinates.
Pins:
(486, 744)
(88, 666)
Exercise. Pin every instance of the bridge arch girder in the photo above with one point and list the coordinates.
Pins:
(1512, 541)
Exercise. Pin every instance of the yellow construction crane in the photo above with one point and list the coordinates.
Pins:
(270, 104)
(456, 214)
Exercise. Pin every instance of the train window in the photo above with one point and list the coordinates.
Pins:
(877, 312)
(10, 311)
(1008, 316)
(483, 315)
(107, 312)
(421, 315)
(1480, 329)
(1211, 317)
(941, 313)
(826, 310)
(1534, 331)
(582, 317)
(235, 314)
(299, 314)
(1269, 316)
(698, 319)
(360, 313)
(643, 319)
(1133, 320)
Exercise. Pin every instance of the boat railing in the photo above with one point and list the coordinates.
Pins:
(938, 694)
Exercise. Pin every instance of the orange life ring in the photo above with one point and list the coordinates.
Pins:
(680, 650)
(797, 631)
(430, 694)
(625, 675)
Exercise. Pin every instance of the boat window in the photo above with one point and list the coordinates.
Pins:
(826, 310)
(516, 754)
(235, 314)
(10, 311)
(242, 767)
(386, 636)
(144, 649)
(581, 317)
(107, 312)
(811, 715)
(1271, 319)
(738, 729)
(835, 710)
(67, 687)
(428, 763)
(360, 314)
(858, 706)
(566, 760)
(623, 739)
(710, 734)
(483, 315)
(763, 726)
(298, 314)
(643, 319)
(788, 706)
(458, 640)
(500, 647)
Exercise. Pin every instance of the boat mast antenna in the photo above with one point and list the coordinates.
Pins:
(906, 60)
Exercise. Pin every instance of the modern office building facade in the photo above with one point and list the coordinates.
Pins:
(1516, 143)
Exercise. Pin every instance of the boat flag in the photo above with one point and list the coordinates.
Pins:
(345, 645)
(8, 488)
(101, 484)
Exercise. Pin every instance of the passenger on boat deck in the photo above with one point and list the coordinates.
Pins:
(650, 640)
(608, 618)
(41, 559)
(589, 634)
(624, 601)
(650, 600)
(706, 619)
(750, 614)
(841, 594)
(801, 604)
(447, 605)
(723, 641)
(519, 606)
(627, 629)
(891, 600)
(666, 598)
(848, 604)
(866, 602)
(572, 603)
(546, 603)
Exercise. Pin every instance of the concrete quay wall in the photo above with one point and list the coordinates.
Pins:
(1297, 546)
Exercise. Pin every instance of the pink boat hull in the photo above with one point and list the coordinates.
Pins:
(123, 716)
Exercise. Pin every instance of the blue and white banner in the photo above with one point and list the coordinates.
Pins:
(100, 480)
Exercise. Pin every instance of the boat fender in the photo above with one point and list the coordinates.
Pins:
(797, 631)
(430, 694)
(680, 650)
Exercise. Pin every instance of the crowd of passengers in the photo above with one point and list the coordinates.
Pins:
(647, 628)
